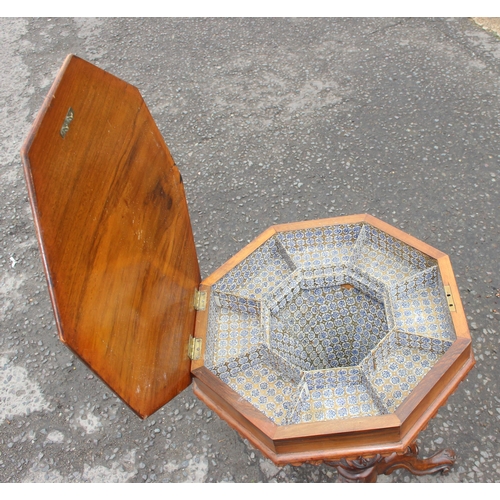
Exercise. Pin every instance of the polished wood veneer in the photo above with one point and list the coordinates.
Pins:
(115, 235)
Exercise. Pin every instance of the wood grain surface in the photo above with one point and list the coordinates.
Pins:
(114, 233)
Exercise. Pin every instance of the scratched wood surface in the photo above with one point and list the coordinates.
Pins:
(114, 233)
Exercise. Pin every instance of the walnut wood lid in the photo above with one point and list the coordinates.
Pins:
(115, 235)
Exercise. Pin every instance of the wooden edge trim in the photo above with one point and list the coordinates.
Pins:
(31, 190)
(337, 427)
(232, 399)
(200, 329)
(436, 383)
(352, 452)
(347, 219)
(404, 237)
(458, 316)
(345, 437)
(41, 248)
(265, 445)
(233, 417)
(237, 258)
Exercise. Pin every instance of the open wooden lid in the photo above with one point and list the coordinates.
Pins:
(115, 235)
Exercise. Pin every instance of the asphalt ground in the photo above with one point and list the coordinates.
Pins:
(270, 121)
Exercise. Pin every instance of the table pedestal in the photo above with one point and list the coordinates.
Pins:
(366, 470)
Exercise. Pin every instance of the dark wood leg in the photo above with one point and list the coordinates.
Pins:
(366, 470)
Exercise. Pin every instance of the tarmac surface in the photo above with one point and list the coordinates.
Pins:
(270, 121)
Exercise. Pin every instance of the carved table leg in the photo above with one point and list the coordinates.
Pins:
(366, 470)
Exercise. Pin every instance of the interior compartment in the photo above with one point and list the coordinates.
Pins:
(383, 260)
(335, 394)
(327, 327)
(234, 328)
(264, 380)
(421, 307)
(399, 363)
(316, 248)
(259, 274)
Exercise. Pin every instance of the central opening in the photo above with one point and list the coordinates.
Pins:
(320, 328)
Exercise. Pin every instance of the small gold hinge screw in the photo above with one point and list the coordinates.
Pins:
(449, 298)
(194, 348)
(200, 300)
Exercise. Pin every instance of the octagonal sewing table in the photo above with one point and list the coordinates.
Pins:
(332, 340)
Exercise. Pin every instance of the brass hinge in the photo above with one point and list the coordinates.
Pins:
(194, 348)
(449, 298)
(200, 300)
